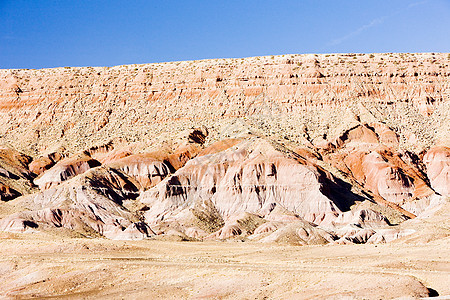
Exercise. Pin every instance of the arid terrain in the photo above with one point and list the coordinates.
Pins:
(37, 266)
(292, 176)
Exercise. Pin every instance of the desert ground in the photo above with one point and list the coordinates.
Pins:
(48, 267)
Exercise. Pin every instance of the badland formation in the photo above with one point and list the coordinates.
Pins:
(292, 149)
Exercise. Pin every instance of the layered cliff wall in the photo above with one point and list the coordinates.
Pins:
(299, 98)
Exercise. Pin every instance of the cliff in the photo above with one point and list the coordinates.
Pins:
(292, 97)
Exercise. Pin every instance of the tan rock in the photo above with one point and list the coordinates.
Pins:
(90, 204)
(437, 161)
(136, 102)
(299, 233)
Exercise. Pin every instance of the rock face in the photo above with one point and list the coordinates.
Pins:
(43, 163)
(65, 170)
(14, 174)
(297, 149)
(393, 178)
(90, 204)
(437, 161)
(281, 96)
(150, 168)
(250, 177)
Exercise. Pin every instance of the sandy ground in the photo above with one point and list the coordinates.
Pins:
(49, 267)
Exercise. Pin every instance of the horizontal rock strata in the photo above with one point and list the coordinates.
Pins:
(299, 149)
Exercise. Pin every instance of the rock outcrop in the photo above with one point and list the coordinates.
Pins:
(15, 178)
(298, 149)
(249, 177)
(437, 161)
(65, 170)
(90, 204)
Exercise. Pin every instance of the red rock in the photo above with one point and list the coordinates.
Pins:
(7, 193)
(213, 91)
(15, 178)
(219, 146)
(64, 170)
(43, 163)
(360, 134)
(38, 166)
(14, 163)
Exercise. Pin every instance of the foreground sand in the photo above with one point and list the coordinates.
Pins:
(43, 266)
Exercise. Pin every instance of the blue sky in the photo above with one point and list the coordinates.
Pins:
(40, 33)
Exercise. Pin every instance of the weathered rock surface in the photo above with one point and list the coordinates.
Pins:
(281, 96)
(43, 163)
(15, 178)
(299, 149)
(437, 161)
(65, 170)
(90, 204)
(249, 177)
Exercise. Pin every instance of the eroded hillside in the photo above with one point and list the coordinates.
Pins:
(304, 149)
(302, 97)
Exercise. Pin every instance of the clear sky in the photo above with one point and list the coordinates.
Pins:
(41, 33)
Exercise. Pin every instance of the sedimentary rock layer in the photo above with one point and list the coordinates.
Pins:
(300, 98)
(304, 149)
